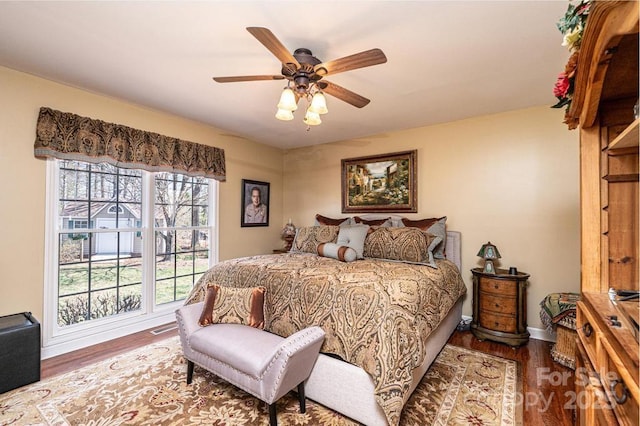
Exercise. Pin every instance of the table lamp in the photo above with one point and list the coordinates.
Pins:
(288, 234)
(489, 252)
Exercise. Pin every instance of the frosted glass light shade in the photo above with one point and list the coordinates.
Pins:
(318, 104)
(288, 100)
(311, 118)
(284, 115)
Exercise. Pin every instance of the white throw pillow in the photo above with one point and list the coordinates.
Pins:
(353, 236)
(336, 251)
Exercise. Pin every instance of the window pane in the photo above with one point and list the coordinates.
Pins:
(183, 286)
(130, 271)
(103, 303)
(184, 264)
(130, 298)
(185, 240)
(165, 242)
(202, 261)
(73, 248)
(103, 186)
(72, 310)
(72, 185)
(73, 279)
(130, 188)
(202, 214)
(164, 291)
(104, 274)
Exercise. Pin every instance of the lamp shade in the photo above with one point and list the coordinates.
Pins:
(284, 115)
(311, 118)
(288, 100)
(288, 234)
(318, 104)
(489, 251)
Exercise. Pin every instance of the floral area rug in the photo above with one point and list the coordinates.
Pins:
(148, 387)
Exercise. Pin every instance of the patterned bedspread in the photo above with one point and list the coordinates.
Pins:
(376, 314)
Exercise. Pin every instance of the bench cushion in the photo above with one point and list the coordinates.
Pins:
(245, 348)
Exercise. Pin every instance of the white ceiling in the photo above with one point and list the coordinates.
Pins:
(447, 60)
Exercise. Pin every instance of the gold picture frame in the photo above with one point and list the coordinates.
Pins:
(385, 183)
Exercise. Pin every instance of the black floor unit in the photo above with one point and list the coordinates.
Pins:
(19, 351)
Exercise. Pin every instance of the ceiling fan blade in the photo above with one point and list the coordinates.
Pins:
(271, 42)
(247, 78)
(351, 62)
(343, 94)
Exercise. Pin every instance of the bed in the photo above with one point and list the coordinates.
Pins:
(385, 321)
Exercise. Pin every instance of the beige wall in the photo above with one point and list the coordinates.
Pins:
(22, 192)
(511, 178)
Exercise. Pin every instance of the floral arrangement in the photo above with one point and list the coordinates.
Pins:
(571, 25)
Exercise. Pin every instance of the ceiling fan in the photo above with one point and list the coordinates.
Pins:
(305, 73)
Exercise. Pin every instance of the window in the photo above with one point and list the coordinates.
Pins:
(107, 266)
(181, 233)
(116, 210)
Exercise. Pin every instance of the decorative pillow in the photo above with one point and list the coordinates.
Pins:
(308, 238)
(336, 251)
(230, 305)
(435, 226)
(373, 222)
(353, 236)
(322, 220)
(403, 244)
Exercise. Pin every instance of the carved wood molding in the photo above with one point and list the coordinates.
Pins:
(608, 21)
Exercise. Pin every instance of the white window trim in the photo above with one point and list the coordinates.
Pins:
(56, 340)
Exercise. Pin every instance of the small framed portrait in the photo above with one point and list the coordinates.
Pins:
(255, 203)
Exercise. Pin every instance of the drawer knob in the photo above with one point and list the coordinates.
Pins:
(495, 286)
(496, 323)
(497, 305)
(620, 399)
(587, 329)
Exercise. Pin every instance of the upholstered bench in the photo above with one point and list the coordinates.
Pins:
(261, 363)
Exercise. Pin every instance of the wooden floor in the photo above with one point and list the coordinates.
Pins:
(547, 386)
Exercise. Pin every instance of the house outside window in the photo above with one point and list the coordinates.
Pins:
(127, 243)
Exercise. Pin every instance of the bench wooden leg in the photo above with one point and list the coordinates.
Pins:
(301, 398)
(190, 366)
(273, 419)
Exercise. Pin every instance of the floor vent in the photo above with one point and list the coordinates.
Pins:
(164, 329)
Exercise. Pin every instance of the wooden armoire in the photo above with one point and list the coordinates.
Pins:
(605, 92)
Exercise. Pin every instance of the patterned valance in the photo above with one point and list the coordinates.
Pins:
(69, 136)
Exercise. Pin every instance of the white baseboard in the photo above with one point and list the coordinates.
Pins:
(541, 334)
(535, 333)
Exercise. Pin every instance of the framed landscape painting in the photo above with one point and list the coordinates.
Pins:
(255, 203)
(380, 183)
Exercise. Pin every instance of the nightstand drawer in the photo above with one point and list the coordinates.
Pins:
(497, 322)
(502, 287)
(499, 304)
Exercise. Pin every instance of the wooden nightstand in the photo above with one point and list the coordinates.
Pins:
(500, 307)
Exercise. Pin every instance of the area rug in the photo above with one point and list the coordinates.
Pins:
(148, 387)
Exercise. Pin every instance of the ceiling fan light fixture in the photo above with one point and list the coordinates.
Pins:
(312, 118)
(288, 100)
(284, 115)
(318, 103)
